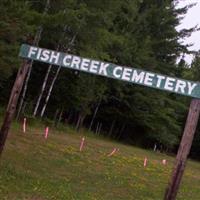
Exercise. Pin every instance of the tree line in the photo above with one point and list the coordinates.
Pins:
(135, 33)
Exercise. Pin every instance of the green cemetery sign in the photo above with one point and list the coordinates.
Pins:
(128, 74)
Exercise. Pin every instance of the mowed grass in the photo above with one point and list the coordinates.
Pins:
(32, 168)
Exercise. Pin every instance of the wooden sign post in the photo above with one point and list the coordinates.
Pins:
(10, 112)
(184, 150)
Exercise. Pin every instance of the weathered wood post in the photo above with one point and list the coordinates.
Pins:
(184, 150)
(11, 108)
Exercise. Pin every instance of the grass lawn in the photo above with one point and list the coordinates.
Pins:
(32, 168)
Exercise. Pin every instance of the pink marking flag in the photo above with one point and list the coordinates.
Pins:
(164, 162)
(113, 152)
(46, 132)
(24, 125)
(145, 162)
(82, 144)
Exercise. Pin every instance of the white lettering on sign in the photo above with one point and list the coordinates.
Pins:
(45, 55)
(85, 64)
(160, 78)
(32, 51)
(169, 83)
(103, 69)
(94, 66)
(180, 86)
(138, 77)
(191, 87)
(75, 62)
(129, 74)
(148, 80)
(39, 53)
(126, 75)
(117, 72)
(54, 57)
(67, 60)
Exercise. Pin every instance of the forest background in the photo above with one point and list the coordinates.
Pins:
(134, 33)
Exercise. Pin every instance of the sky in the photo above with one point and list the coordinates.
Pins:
(191, 19)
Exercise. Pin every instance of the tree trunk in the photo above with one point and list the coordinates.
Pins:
(121, 131)
(10, 112)
(70, 115)
(82, 120)
(111, 128)
(94, 115)
(49, 92)
(24, 107)
(97, 128)
(53, 82)
(60, 116)
(24, 90)
(42, 90)
(46, 77)
(35, 43)
(78, 122)
(55, 117)
(100, 126)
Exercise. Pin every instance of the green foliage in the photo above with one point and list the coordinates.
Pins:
(139, 34)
